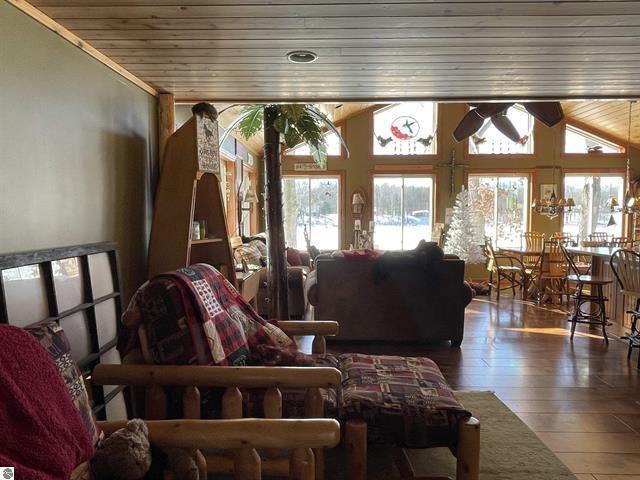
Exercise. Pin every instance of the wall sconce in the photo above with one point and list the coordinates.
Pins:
(358, 202)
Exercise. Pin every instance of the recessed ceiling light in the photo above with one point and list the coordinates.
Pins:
(302, 56)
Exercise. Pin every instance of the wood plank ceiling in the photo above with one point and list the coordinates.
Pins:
(369, 50)
(610, 118)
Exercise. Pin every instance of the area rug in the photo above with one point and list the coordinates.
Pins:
(509, 450)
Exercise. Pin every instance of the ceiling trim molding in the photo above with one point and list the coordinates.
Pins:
(58, 29)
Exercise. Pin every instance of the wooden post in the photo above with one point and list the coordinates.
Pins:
(302, 465)
(356, 449)
(166, 123)
(314, 408)
(277, 274)
(191, 409)
(468, 450)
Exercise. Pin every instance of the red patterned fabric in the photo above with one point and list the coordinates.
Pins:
(361, 255)
(41, 432)
(405, 401)
(195, 316)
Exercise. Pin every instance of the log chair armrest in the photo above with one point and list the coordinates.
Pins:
(326, 328)
(206, 376)
(239, 433)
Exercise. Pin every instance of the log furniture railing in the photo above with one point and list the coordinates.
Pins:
(232, 379)
(79, 287)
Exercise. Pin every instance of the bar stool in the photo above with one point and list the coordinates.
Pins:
(594, 298)
(626, 267)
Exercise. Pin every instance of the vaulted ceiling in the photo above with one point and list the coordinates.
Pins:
(369, 50)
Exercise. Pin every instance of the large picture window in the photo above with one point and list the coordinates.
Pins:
(490, 141)
(403, 210)
(312, 202)
(405, 129)
(592, 194)
(502, 200)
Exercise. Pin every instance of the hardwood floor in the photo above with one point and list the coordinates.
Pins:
(582, 398)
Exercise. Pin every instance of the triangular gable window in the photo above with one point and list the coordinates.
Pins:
(579, 141)
(333, 147)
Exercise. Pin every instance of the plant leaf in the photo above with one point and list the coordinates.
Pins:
(327, 121)
(231, 126)
(293, 112)
(253, 122)
(281, 124)
(319, 153)
(292, 137)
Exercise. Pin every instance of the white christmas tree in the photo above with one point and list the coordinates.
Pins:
(462, 237)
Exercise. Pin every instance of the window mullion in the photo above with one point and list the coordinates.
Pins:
(402, 214)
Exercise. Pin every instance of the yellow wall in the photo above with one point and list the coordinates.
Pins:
(547, 146)
(77, 148)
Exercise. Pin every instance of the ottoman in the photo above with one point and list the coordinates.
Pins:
(403, 402)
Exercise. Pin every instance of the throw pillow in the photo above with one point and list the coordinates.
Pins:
(249, 254)
(260, 245)
(293, 257)
(52, 338)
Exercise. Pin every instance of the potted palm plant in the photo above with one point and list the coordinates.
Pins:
(287, 125)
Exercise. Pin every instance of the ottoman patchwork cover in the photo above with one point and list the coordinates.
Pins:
(405, 401)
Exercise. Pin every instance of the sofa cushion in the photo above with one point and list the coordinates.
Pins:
(52, 338)
(405, 401)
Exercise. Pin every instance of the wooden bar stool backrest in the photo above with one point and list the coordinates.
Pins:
(573, 268)
(489, 253)
(563, 238)
(598, 239)
(533, 242)
(621, 242)
(626, 267)
(553, 264)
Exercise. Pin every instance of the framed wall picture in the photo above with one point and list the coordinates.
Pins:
(548, 189)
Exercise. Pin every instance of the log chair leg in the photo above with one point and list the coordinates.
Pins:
(356, 449)
(468, 450)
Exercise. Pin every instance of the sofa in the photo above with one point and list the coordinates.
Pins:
(394, 297)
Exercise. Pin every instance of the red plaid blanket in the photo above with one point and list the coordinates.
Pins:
(195, 316)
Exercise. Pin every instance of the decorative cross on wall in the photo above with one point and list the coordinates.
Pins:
(452, 165)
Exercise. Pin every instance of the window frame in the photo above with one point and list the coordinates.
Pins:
(252, 175)
(516, 172)
(592, 172)
(342, 126)
(406, 171)
(428, 156)
(590, 131)
(340, 174)
(467, 155)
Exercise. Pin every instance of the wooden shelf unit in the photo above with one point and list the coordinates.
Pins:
(188, 191)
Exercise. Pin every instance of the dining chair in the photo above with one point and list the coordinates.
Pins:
(626, 267)
(552, 278)
(622, 242)
(565, 238)
(505, 268)
(589, 306)
(598, 239)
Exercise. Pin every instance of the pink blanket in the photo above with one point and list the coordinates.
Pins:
(41, 432)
